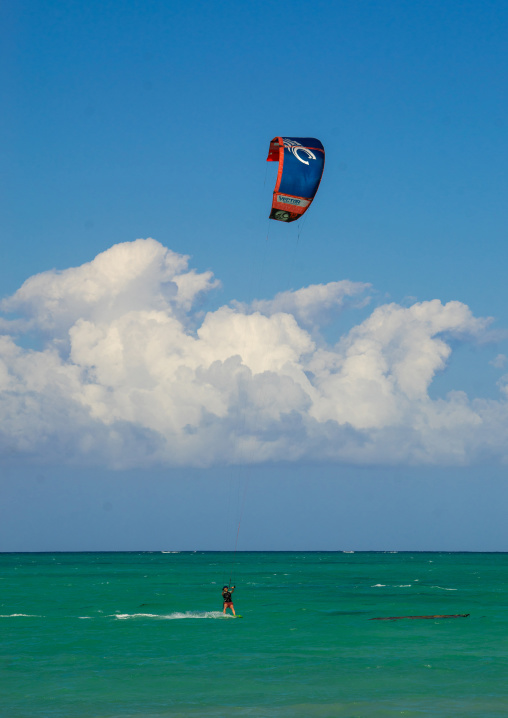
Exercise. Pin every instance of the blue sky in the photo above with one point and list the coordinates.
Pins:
(126, 421)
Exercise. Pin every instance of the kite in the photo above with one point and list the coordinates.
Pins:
(301, 163)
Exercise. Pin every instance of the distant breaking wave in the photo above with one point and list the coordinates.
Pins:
(395, 585)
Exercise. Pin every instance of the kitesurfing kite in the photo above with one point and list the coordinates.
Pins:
(301, 162)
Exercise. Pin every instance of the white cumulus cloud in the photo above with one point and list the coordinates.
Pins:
(313, 304)
(127, 372)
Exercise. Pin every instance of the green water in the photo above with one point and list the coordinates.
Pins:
(142, 634)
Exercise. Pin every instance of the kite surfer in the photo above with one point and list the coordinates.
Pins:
(227, 598)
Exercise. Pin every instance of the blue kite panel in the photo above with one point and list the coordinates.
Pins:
(304, 160)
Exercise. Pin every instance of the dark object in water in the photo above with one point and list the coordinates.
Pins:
(397, 618)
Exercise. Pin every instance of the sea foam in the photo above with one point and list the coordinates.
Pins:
(174, 616)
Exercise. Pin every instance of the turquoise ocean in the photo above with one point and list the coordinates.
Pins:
(103, 635)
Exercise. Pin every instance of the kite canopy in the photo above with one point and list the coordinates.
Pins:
(301, 162)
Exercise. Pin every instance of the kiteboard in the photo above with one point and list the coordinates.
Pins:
(397, 618)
